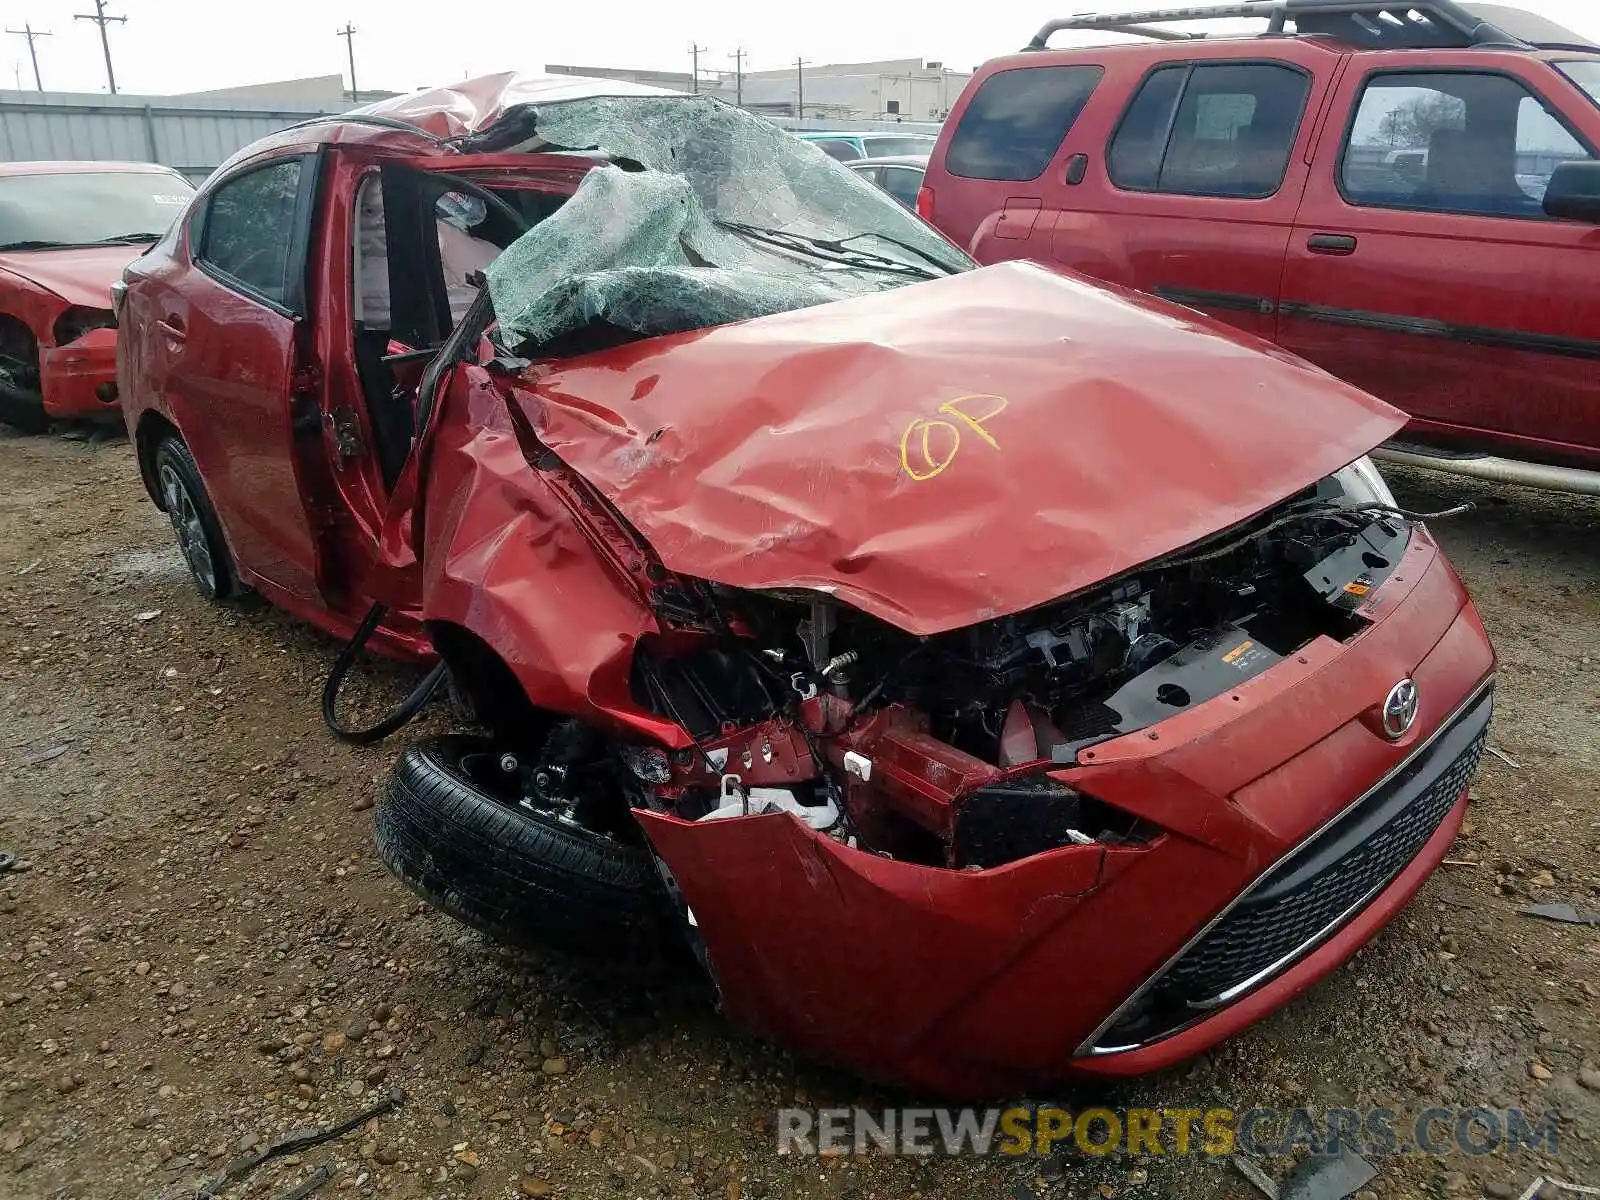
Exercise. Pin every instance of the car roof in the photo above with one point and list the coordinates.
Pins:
(422, 121)
(83, 167)
(475, 104)
(890, 160)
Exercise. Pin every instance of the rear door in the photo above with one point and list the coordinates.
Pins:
(239, 375)
(1192, 194)
(1423, 268)
(988, 180)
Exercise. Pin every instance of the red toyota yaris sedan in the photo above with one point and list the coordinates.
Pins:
(992, 675)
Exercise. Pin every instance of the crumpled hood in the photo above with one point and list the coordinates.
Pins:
(949, 452)
(80, 276)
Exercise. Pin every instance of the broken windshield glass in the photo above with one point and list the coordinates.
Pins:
(708, 215)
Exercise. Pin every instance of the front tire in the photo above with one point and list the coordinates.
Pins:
(457, 837)
(21, 395)
(194, 520)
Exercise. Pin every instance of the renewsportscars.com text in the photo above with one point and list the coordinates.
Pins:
(1038, 1130)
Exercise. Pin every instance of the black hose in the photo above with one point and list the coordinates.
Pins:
(402, 716)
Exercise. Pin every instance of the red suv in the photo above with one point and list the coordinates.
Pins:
(1405, 194)
(826, 599)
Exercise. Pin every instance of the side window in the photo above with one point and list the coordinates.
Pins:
(1140, 142)
(1461, 142)
(1543, 144)
(249, 231)
(837, 148)
(1218, 129)
(1014, 123)
(903, 183)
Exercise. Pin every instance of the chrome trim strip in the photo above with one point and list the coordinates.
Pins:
(1310, 944)
(1087, 1048)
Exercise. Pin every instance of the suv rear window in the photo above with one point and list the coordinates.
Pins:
(1222, 129)
(1017, 119)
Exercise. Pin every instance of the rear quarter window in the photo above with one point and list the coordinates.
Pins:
(1017, 119)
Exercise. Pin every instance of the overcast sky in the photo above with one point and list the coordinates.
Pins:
(189, 45)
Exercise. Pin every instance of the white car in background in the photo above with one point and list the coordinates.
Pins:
(899, 175)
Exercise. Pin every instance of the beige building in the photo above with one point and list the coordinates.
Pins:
(902, 89)
(324, 93)
(897, 89)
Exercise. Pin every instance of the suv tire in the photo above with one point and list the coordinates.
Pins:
(515, 874)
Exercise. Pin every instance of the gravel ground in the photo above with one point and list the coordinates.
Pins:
(201, 952)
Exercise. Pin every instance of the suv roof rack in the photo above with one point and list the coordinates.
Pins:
(1379, 24)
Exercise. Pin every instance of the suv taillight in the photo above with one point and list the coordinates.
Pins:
(925, 203)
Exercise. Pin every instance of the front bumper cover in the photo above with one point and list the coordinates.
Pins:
(80, 379)
(1311, 894)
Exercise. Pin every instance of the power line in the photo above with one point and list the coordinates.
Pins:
(738, 57)
(695, 51)
(29, 32)
(348, 33)
(800, 66)
(99, 18)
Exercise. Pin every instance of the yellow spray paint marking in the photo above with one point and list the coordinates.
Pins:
(930, 444)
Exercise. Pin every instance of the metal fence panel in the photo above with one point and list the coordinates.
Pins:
(192, 136)
(195, 135)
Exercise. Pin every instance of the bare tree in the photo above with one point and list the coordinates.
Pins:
(1413, 123)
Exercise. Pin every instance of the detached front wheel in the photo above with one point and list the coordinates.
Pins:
(451, 826)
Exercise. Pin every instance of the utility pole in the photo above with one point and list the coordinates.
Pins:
(29, 32)
(99, 18)
(800, 66)
(348, 33)
(695, 51)
(738, 57)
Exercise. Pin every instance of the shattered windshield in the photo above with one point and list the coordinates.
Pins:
(705, 215)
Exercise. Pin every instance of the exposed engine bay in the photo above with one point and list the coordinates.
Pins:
(936, 748)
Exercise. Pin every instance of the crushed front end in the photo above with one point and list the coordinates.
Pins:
(1096, 836)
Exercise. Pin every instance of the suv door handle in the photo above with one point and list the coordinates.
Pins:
(1331, 243)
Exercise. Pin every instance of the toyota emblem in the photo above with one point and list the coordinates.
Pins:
(1400, 709)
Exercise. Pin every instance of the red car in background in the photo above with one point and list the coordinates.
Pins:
(825, 599)
(1405, 195)
(67, 229)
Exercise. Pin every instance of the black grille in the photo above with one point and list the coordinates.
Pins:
(1321, 883)
(1258, 933)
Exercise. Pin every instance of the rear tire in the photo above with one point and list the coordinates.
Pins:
(515, 874)
(194, 520)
